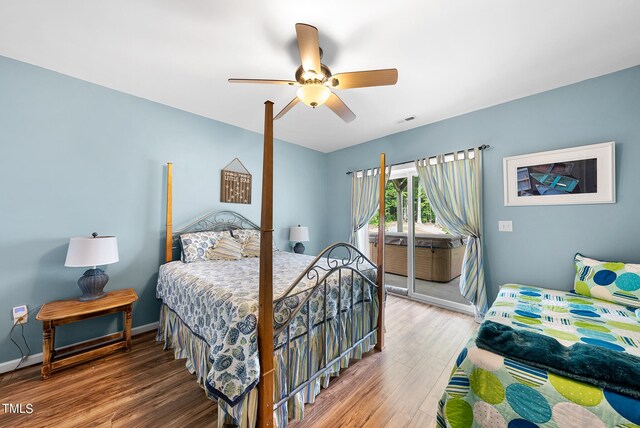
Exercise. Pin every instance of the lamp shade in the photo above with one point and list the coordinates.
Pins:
(92, 251)
(299, 234)
(313, 94)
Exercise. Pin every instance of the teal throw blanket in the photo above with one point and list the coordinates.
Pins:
(606, 368)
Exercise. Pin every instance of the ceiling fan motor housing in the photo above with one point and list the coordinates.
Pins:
(312, 76)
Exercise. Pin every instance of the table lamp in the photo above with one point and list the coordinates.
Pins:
(299, 234)
(93, 251)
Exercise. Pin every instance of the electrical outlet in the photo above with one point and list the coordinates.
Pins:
(505, 226)
(20, 314)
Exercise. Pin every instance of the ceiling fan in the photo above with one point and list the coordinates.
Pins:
(315, 80)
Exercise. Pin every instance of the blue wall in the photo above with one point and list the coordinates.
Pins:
(540, 250)
(78, 158)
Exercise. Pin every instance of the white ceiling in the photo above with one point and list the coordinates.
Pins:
(452, 56)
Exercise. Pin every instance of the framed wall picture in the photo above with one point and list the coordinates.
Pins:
(577, 175)
(235, 183)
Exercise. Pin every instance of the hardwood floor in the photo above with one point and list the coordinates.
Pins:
(398, 387)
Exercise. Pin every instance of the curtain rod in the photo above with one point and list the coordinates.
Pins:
(482, 147)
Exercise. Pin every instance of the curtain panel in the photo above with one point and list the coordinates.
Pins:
(365, 199)
(453, 188)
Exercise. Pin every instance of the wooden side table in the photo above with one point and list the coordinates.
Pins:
(62, 312)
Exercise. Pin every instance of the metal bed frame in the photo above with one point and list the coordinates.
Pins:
(320, 270)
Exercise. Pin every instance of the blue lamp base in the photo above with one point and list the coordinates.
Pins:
(92, 283)
(298, 248)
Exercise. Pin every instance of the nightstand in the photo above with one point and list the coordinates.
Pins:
(62, 312)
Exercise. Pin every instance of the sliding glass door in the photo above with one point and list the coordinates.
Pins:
(422, 260)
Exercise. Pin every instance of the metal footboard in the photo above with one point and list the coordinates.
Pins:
(339, 267)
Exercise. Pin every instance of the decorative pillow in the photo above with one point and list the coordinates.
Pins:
(226, 249)
(251, 248)
(612, 281)
(244, 235)
(195, 245)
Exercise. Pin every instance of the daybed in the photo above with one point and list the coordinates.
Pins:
(438, 257)
(491, 390)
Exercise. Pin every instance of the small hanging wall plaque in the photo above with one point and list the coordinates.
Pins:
(235, 183)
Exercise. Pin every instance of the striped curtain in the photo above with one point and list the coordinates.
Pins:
(453, 187)
(365, 199)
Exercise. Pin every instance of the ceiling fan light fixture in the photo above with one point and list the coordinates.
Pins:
(314, 94)
(313, 76)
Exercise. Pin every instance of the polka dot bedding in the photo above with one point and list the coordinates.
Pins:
(488, 390)
(611, 281)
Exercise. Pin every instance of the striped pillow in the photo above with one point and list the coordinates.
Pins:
(251, 248)
(245, 235)
(226, 249)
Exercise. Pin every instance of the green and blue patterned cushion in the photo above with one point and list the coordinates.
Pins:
(227, 248)
(611, 281)
(195, 245)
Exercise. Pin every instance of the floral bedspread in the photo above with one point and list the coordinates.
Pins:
(218, 300)
(488, 390)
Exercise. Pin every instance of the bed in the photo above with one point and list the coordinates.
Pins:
(264, 334)
(209, 316)
(490, 390)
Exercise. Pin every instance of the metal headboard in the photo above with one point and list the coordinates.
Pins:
(213, 221)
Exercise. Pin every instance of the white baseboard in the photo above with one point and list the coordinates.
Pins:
(11, 365)
(8, 366)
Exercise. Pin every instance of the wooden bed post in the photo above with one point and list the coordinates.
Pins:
(169, 232)
(380, 326)
(265, 316)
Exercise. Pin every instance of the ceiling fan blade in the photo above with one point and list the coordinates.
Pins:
(363, 79)
(340, 108)
(268, 81)
(287, 108)
(309, 47)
